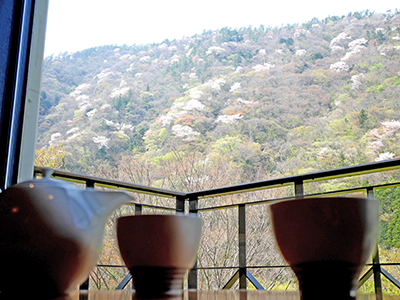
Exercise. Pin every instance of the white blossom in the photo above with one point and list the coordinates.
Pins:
(73, 133)
(83, 105)
(216, 84)
(382, 50)
(194, 104)
(130, 69)
(239, 69)
(264, 67)
(125, 56)
(147, 134)
(339, 39)
(82, 98)
(262, 52)
(240, 100)
(235, 87)
(215, 49)
(78, 90)
(91, 113)
(138, 75)
(195, 93)
(299, 31)
(103, 74)
(166, 120)
(101, 141)
(109, 123)
(144, 58)
(73, 130)
(184, 131)
(390, 127)
(358, 42)
(355, 81)
(375, 145)
(71, 137)
(116, 92)
(375, 133)
(355, 47)
(339, 66)
(124, 127)
(321, 152)
(55, 136)
(192, 75)
(336, 49)
(120, 127)
(385, 156)
(177, 106)
(301, 52)
(105, 106)
(174, 59)
(228, 119)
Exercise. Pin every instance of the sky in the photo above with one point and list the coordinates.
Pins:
(75, 25)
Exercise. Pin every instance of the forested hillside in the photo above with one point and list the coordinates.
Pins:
(272, 101)
(231, 106)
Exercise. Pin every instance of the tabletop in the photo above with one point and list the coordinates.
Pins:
(204, 295)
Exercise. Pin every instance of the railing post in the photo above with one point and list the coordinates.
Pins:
(180, 205)
(90, 184)
(85, 285)
(138, 209)
(298, 189)
(375, 260)
(242, 247)
(192, 276)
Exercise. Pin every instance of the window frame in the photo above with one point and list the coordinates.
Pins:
(22, 36)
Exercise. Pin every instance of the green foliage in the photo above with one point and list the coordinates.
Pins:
(376, 67)
(362, 117)
(389, 235)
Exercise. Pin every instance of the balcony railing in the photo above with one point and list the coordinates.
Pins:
(297, 182)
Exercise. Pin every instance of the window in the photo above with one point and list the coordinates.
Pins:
(22, 39)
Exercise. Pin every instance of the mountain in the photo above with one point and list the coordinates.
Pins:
(268, 102)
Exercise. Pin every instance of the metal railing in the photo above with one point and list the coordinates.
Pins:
(297, 182)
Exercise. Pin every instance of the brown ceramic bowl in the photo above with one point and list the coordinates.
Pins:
(158, 250)
(326, 241)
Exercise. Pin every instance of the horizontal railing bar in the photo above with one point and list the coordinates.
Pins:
(228, 206)
(388, 165)
(241, 188)
(331, 193)
(110, 266)
(237, 267)
(101, 182)
(279, 266)
(152, 206)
